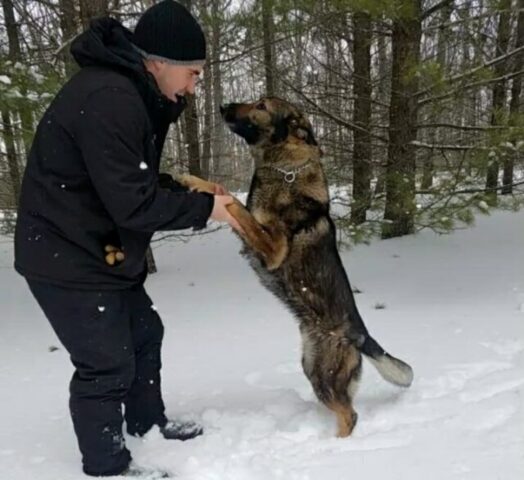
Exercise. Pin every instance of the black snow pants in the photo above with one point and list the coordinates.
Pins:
(114, 339)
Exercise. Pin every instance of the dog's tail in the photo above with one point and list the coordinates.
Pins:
(390, 368)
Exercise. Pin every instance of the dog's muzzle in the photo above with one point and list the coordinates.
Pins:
(241, 126)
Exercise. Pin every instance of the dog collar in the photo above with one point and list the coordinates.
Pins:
(291, 175)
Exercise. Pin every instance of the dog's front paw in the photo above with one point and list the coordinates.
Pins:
(272, 264)
(196, 184)
(277, 257)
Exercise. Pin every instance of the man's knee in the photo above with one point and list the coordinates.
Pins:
(109, 381)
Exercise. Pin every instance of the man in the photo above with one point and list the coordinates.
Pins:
(91, 181)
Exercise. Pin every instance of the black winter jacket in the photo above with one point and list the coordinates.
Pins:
(92, 173)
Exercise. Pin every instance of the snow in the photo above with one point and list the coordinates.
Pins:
(5, 80)
(483, 206)
(37, 77)
(143, 166)
(33, 96)
(13, 93)
(454, 311)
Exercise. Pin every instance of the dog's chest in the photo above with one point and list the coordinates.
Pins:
(266, 194)
(272, 280)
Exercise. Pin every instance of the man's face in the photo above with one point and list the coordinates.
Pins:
(173, 80)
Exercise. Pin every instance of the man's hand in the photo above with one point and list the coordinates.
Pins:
(221, 214)
(219, 189)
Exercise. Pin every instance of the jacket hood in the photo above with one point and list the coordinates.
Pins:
(107, 43)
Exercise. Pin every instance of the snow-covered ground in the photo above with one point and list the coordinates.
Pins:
(454, 311)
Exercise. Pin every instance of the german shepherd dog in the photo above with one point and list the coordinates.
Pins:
(290, 241)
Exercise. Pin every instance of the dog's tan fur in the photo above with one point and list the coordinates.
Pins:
(289, 202)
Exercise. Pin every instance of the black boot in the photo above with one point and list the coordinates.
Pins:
(180, 430)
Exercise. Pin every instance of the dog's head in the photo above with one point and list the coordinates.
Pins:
(268, 121)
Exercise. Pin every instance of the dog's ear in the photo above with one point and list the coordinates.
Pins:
(291, 124)
(301, 128)
(306, 133)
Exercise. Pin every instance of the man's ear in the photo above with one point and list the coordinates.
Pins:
(153, 66)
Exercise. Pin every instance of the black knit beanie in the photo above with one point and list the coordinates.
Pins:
(168, 32)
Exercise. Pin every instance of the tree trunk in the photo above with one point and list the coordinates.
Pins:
(115, 10)
(478, 45)
(14, 55)
(218, 148)
(269, 39)
(208, 131)
(499, 94)
(68, 25)
(435, 117)
(191, 136)
(400, 170)
(11, 155)
(90, 9)
(514, 106)
(208, 102)
(191, 133)
(361, 117)
(12, 29)
(328, 102)
(150, 259)
(382, 94)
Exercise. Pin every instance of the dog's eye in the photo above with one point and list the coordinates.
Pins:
(261, 106)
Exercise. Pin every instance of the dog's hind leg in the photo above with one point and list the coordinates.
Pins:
(339, 402)
(346, 417)
(333, 368)
(345, 386)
